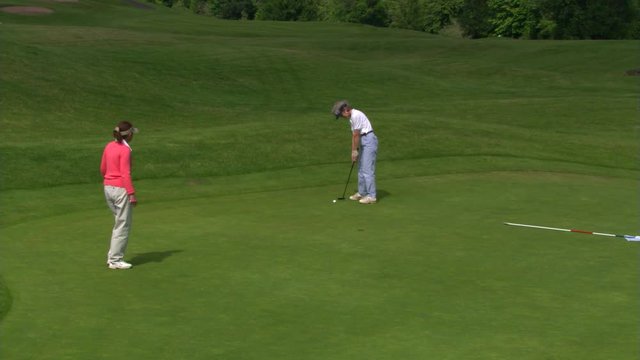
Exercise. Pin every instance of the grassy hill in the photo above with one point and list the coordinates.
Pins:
(238, 253)
(70, 75)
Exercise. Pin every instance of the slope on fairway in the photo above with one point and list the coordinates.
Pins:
(216, 98)
(430, 271)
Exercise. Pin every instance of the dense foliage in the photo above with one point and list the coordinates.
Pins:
(526, 19)
(551, 19)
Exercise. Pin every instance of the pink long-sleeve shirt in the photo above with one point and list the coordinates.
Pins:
(116, 166)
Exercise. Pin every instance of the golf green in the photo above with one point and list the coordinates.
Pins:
(428, 272)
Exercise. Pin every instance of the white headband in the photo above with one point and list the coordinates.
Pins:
(132, 130)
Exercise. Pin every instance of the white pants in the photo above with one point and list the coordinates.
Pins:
(118, 201)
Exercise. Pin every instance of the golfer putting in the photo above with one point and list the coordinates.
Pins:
(364, 150)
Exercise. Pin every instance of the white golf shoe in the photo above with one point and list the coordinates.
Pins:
(368, 200)
(355, 196)
(120, 265)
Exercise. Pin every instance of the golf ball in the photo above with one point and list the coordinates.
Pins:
(334, 201)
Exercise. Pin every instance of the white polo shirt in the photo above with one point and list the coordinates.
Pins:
(359, 121)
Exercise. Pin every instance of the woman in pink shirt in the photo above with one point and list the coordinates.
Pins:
(118, 190)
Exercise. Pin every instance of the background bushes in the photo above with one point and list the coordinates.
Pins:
(526, 19)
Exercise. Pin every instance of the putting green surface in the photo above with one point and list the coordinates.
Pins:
(428, 272)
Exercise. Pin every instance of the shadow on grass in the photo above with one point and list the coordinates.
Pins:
(381, 194)
(5, 299)
(153, 256)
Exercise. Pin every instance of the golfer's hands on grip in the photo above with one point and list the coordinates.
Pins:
(133, 200)
(354, 155)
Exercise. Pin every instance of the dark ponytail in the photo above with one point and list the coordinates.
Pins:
(123, 127)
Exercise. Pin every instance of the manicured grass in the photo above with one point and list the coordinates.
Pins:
(238, 250)
(429, 272)
(203, 87)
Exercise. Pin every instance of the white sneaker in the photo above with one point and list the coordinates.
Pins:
(355, 196)
(368, 200)
(120, 265)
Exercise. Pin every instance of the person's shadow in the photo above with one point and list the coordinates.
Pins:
(153, 256)
(382, 194)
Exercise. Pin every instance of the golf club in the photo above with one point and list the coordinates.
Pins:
(347, 184)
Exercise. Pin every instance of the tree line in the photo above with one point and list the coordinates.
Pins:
(519, 19)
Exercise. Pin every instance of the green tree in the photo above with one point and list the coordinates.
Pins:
(407, 14)
(567, 17)
(370, 12)
(287, 10)
(591, 19)
(423, 15)
(334, 10)
(440, 13)
(612, 19)
(529, 19)
(474, 18)
(515, 18)
(233, 9)
(200, 7)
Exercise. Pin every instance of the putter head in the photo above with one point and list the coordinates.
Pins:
(341, 198)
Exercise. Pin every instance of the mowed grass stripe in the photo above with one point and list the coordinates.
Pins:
(30, 205)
